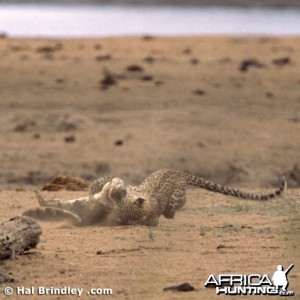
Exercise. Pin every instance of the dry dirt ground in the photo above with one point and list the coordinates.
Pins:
(212, 234)
(224, 108)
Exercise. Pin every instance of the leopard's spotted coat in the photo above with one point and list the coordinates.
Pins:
(162, 193)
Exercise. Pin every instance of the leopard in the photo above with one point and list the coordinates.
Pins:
(163, 193)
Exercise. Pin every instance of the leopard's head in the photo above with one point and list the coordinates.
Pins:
(136, 208)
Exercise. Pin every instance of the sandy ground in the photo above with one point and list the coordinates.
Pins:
(224, 108)
(212, 234)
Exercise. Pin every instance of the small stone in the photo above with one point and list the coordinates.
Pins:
(70, 139)
(247, 63)
(134, 68)
(184, 287)
(119, 142)
(149, 59)
(103, 57)
(199, 92)
(6, 278)
(281, 61)
(107, 81)
(194, 61)
(36, 136)
(147, 78)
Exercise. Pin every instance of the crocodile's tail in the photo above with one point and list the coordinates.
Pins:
(52, 214)
(46, 212)
(41, 199)
(208, 185)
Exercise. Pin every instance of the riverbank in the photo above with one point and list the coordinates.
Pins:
(237, 3)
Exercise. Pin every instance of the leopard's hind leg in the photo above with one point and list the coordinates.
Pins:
(176, 201)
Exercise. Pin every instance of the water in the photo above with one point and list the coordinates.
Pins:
(100, 20)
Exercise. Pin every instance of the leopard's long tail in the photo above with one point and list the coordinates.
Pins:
(208, 185)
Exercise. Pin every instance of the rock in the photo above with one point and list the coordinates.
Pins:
(17, 236)
(148, 37)
(119, 142)
(3, 35)
(103, 57)
(107, 81)
(194, 61)
(6, 278)
(281, 61)
(49, 49)
(184, 287)
(70, 138)
(247, 63)
(26, 126)
(147, 78)
(149, 59)
(187, 51)
(134, 68)
(199, 92)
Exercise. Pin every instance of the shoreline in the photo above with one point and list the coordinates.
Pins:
(152, 20)
(228, 3)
